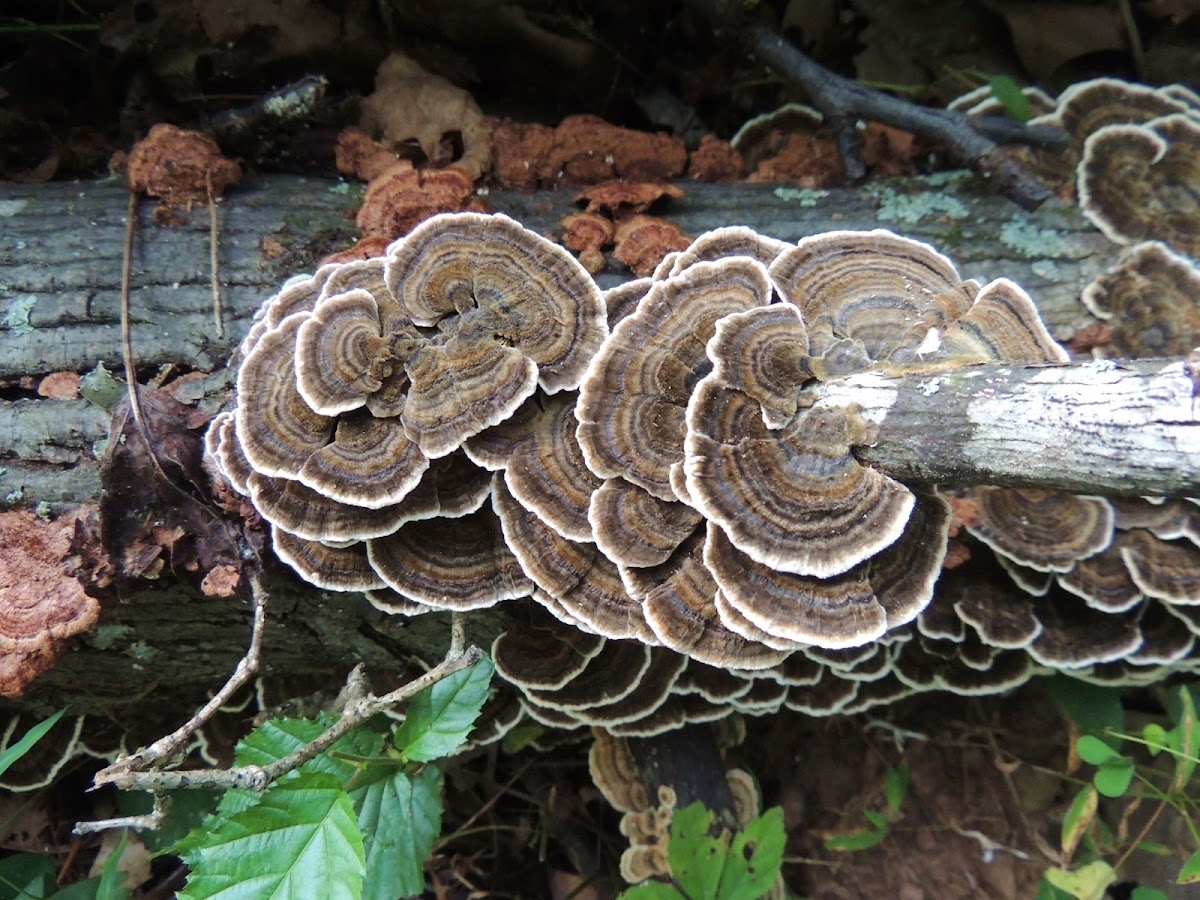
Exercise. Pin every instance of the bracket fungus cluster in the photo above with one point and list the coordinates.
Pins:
(468, 419)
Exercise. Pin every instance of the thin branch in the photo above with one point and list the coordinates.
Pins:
(842, 98)
(359, 706)
(167, 747)
(214, 262)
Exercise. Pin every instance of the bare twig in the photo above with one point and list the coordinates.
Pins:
(842, 98)
(167, 747)
(151, 821)
(359, 706)
(213, 259)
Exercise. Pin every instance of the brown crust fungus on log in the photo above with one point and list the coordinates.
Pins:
(42, 605)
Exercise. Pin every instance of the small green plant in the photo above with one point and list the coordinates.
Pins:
(895, 789)
(355, 822)
(710, 863)
(33, 876)
(1100, 719)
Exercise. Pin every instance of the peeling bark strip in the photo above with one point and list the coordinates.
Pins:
(1090, 428)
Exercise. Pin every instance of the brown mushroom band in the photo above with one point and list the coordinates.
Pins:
(468, 419)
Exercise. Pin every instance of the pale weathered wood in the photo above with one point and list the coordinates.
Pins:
(1091, 428)
(60, 271)
(160, 645)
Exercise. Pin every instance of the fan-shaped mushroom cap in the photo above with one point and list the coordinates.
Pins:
(222, 447)
(904, 574)
(732, 240)
(298, 294)
(492, 270)
(616, 774)
(575, 574)
(492, 448)
(1133, 180)
(1002, 325)
(763, 353)
(1001, 618)
(882, 692)
(370, 462)
(1150, 300)
(1003, 670)
(611, 675)
(278, 431)
(460, 563)
(333, 568)
(828, 695)
(680, 610)
(651, 692)
(677, 711)
(1044, 530)
(1086, 107)
(299, 509)
(633, 399)
(753, 139)
(393, 603)
(838, 611)
(715, 684)
(547, 475)
(338, 349)
(1164, 643)
(632, 527)
(623, 299)
(540, 652)
(733, 619)
(1074, 635)
(764, 697)
(1103, 580)
(877, 290)
(1031, 581)
(795, 500)
(1168, 571)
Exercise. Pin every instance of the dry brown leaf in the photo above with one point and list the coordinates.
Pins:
(1047, 35)
(413, 105)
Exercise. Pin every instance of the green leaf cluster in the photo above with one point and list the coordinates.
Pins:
(357, 821)
(1100, 718)
(708, 863)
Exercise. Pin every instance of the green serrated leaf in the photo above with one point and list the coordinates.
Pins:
(1087, 883)
(1190, 872)
(1093, 750)
(27, 875)
(1078, 819)
(1141, 892)
(1094, 709)
(696, 857)
(1009, 93)
(25, 744)
(1154, 848)
(400, 817)
(438, 718)
(1113, 778)
(755, 858)
(300, 840)
(895, 789)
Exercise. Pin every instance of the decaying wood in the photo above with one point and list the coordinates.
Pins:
(163, 644)
(1090, 428)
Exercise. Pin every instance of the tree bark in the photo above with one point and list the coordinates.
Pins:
(163, 644)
